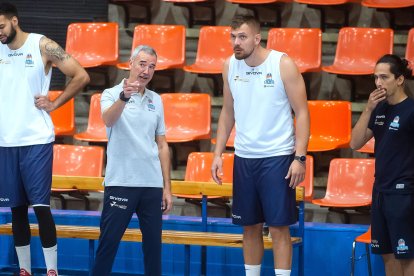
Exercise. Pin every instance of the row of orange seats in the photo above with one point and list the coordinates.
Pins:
(188, 118)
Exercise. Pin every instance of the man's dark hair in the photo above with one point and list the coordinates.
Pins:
(398, 66)
(8, 9)
(248, 19)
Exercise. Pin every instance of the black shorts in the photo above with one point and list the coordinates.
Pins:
(393, 224)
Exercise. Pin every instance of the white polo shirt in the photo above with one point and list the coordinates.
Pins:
(263, 115)
(132, 153)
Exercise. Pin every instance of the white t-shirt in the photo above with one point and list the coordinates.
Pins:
(263, 115)
(22, 77)
(132, 153)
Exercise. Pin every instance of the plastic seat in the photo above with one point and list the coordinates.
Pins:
(330, 125)
(210, 60)
(93, 44)
(199, 169)
(308, 182)
(343, 5)
(409, 51)
(230, 141)
(191, 5)
(167, 40)
(352, 59)
(64, 117)
(96, 129)
(303, 45)
(368, 147)
(187, 116)
(393, 8)
(73, 160)
(274, 5)
(349, 185)
(126, 6)
(366, 239)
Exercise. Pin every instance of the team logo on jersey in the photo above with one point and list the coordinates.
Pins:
(379, 120)
(269, 82)
(29, 61)
(395, 123)
(151, 106)
(15, 54)
(401, 248)
(2, 61)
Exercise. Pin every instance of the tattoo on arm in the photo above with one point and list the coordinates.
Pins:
(54, 51)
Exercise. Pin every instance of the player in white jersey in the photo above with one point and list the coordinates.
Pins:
(26, 130)
(261, 88)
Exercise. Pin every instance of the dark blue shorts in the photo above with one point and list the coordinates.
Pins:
(26, 175)
(261, 193)
(393, 224)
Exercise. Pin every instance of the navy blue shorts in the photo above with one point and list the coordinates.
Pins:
(261, 193)
(393, 224)
(26, 175)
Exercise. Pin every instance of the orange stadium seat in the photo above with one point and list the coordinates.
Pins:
(94, 45)
(191, 5)
(343, 5)
(73, 160)
(230, 141)
(351, 59)
(366, 239)
(308, 182)
(392, 7)
(209, 60)
(325, 131)
(349, 185)
(303, 45)
(167, 40)
(64, 117)
(274, 5)
(409, 51)
(199, 169)
(368, 147)
(187, 118)
(96, 130)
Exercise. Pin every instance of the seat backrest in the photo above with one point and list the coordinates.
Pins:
(64, 117)
(362, 46)
(199, 167)
(308, 182)
(74, 160)
(187, 115)
(167, 40)
(93, 44)
(303, 45)
(219, 36)
(409, 51)
(330, 120)
(387, 4)
(95, 123)
(351, 178)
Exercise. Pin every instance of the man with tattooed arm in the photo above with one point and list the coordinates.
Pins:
(26, 130)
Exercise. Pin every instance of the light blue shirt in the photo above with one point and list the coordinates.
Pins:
(132, 153)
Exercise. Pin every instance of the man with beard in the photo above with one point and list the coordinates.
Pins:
(261, 87)
(137, 178)
(26, 130)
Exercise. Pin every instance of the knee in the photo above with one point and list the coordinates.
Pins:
(280, 232)
(253, 230)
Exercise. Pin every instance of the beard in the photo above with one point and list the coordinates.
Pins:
(11, 36)
(242, 55)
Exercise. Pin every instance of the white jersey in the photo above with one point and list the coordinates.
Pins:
(22, 77)
(263, 115)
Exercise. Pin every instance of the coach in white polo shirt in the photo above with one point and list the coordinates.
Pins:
(137, 177)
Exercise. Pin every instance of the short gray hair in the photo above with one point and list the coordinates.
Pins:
(145, 48)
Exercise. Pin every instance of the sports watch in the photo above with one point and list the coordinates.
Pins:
(122, 97)
(301, 158)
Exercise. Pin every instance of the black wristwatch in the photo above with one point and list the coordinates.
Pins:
(301, 158)
(122, 97)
